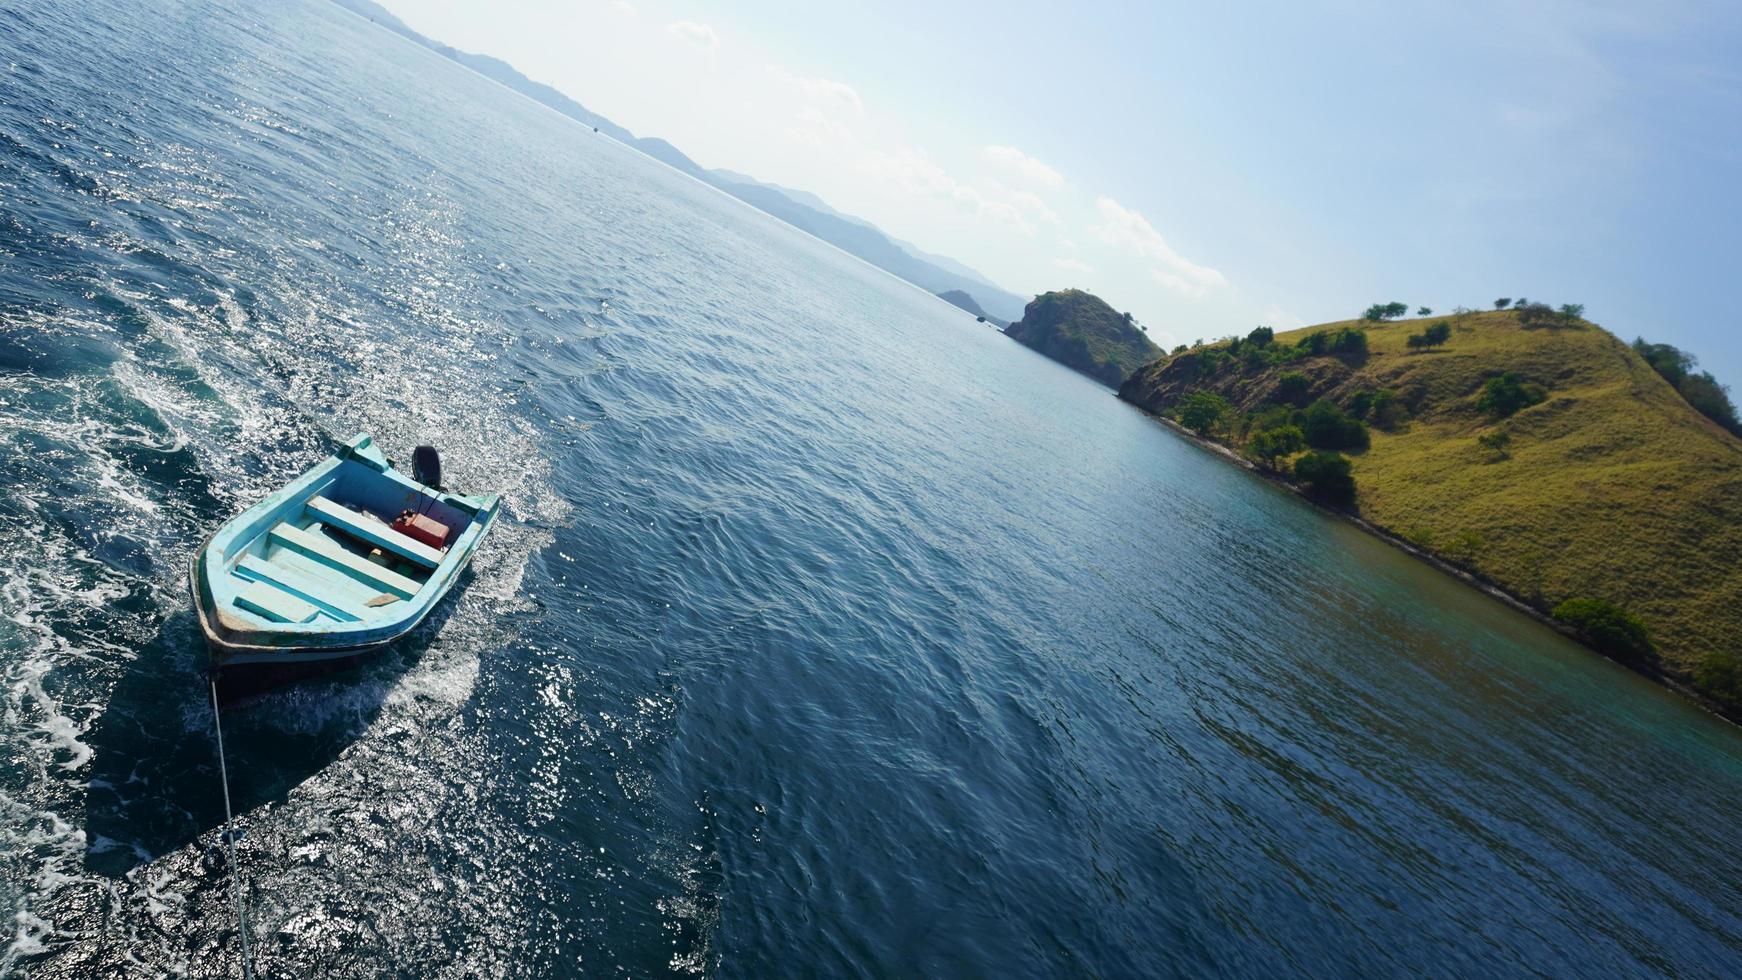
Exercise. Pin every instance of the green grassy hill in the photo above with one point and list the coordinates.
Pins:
(1610, 487)
(1080, 331)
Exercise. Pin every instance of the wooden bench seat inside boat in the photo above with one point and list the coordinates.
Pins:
(367, 528)
(275, 604)
(346, 601)
(328, 552)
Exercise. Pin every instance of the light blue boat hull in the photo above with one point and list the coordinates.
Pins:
(314, 572)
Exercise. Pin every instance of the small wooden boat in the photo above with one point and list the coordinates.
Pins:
(351, 555)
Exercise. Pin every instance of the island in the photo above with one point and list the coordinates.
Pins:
(1082, 332)
(962, 301)
(1527, 449)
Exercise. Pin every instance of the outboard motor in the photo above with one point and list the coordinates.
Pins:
(426, 467)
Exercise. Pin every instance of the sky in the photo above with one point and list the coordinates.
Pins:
(1212, 167)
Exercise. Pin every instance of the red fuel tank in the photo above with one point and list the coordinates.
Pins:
(422, 528)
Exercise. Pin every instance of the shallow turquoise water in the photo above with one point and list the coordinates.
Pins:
(828, 632)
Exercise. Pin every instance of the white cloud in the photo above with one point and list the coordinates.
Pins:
(625, 8)
(913, 173)
(819, 130)
(825, 91)
(1031, 203)
(1178, 283)
(976, 203)
(1030, 168)
(1073, 265)
(1281, 319)
(1125, 228)
(700, 35)
(910, 170)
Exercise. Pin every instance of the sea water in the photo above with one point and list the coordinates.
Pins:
(826, 632)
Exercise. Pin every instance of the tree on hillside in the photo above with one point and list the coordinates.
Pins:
(1261, 336)
(1711, 399)
(1608, 627)
(1433, 336)
(1424, 311)
(1532, 315)
(1502, 303)
(1719, 676)
(1271, 444)
(1272, 417)
(1507, 394)
(1670, 362)
(1202, 411)
(1326, 477)
(1698, 388)
(1382, 408)
(1292, 388)
(1385, 311)
(1326, 426)
(1255, 358)
(1347, 341)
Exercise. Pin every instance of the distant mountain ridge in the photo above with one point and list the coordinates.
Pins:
(805, 198)
(811, 200)
(801, 209)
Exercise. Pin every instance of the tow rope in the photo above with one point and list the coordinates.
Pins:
(230, 841)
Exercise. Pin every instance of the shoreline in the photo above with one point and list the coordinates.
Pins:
(1474, 579)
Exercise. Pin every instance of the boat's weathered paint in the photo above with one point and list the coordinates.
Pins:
(232, 559)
